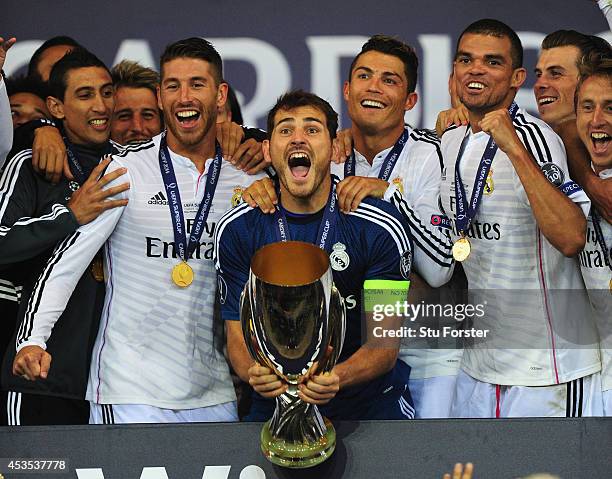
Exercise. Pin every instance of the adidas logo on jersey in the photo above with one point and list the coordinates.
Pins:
(158, 199)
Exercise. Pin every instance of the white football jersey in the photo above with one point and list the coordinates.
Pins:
(416, 175)
(155, 342)
(597, 276)
(540, 328)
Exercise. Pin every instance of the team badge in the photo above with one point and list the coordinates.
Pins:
(237, 196)
(339, 258)
(406, 264)
(553, 173)
(399, 184)
(488, 189)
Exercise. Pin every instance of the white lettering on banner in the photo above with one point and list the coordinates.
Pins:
(272, 72)
(137, 51)
(216, 472)
(437, 62)
(210, 472)
(19, 55)
(326, 79)
(252, 472)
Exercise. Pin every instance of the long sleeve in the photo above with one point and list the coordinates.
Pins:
(422, 213)
(24, 231)
(6, 124)
(62, 272)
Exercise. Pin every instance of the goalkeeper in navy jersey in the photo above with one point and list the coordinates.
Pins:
(370, 243)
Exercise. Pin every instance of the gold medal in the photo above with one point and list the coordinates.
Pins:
(97, 269)
(461, 249)
(182, 275)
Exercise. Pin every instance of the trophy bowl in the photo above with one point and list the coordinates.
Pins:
(293, 321)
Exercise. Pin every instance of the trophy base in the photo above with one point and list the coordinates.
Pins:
(298, 455)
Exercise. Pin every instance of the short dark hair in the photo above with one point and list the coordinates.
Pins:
(194, 47)
(133, 75)
(495, 28)
(52, 42)
(298, 98)
(25, 84)
(77, 58)
(571, 38)
(397, 48)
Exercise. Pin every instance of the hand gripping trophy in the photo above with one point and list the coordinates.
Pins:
(294, 320)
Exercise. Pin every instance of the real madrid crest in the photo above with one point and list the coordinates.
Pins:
(399, 184)
(339, 258)
(237, 196)
(488, 189)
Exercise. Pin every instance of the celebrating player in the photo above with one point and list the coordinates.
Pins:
(594, 123)
(517, 218)
(154, 360)
(368, 243)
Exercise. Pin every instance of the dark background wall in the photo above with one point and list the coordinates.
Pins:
(271, 46)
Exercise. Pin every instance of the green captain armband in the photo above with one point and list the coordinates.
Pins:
(378, 293)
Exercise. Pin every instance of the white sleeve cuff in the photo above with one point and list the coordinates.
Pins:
(31, 342)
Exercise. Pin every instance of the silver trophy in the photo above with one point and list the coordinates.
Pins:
(293, 321)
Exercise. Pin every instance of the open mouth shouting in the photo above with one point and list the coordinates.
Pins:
(600, 141)
(187, 118)
(373, 104)
(299, 164)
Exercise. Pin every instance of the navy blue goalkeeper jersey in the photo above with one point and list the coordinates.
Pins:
(369, 243)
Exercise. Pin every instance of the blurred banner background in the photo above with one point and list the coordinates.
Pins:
(271, 46)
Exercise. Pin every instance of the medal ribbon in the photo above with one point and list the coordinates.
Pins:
(75, 167)
(186, 248)
(466, 212)
(600, 238)
(326, 227)
(388, 163)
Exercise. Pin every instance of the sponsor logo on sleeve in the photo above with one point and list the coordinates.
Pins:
(441, 221)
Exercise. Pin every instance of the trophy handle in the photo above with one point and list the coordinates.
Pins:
(337, 330)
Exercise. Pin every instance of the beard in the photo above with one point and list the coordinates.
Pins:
(192, 137)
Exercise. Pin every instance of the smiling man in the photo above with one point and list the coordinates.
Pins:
(137, 117)
(594, 123)
(154, 360)
(369, 382)
(557, 74)
(518, 218)
(34, 215)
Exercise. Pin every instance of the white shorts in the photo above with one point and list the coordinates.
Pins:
(432, 397)
(143, 413)
(607, 402)
(577, 398)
